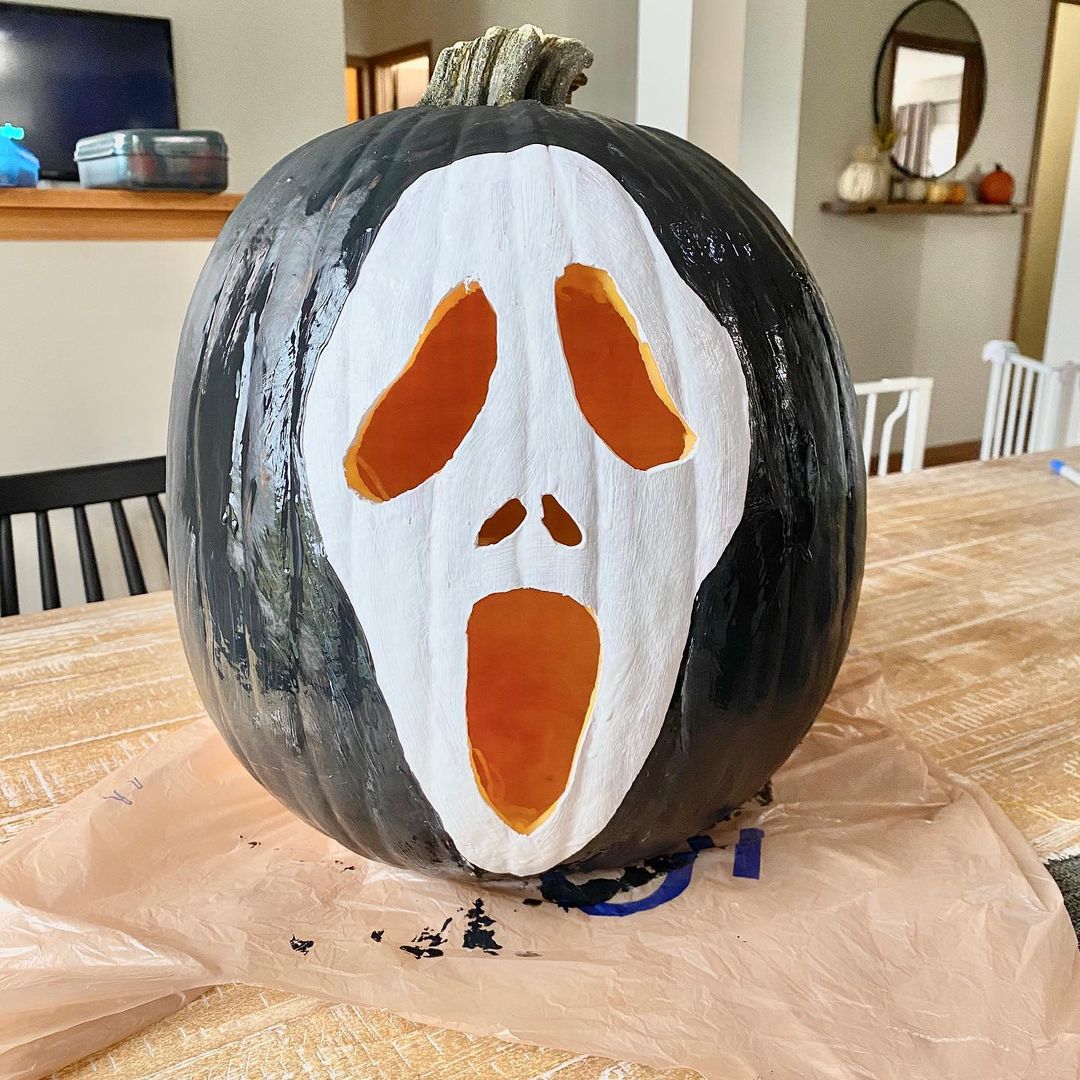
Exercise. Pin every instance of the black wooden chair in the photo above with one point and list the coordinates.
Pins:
(75, 489)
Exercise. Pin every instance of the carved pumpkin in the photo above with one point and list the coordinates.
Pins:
(515, 503)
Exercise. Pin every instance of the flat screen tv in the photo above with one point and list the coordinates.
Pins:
(65, 74)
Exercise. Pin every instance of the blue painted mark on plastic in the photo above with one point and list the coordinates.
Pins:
(674, 884)
(748, 854)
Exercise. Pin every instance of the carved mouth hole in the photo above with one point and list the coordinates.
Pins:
(534, 661)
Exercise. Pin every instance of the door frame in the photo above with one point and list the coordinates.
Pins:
(366, 65)
(1036, 148)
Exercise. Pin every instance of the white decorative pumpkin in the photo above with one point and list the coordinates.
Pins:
(866, 179)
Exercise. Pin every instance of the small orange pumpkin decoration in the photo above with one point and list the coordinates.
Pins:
(997, 187)
(957, 193)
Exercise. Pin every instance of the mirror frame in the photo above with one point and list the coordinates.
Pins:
(971, 109)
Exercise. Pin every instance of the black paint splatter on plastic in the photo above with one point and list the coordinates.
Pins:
(300, 945)
(557, 888)
(278, 654)
(426, 944)
(478, 929)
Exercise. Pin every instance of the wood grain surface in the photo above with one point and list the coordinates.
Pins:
(100, 214)
(971, 602)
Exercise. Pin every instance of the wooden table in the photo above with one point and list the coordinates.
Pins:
(971, 602)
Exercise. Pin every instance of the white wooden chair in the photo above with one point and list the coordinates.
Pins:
(913, 401)
(1031, 405)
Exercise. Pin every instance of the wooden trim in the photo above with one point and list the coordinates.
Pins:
(1036, 149)
(393, 56)
(930, 43)
(974, 209)
(972, 102)
(949, 454)
(952, 453)
(100, 214)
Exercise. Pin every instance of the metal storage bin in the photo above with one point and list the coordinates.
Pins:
(142, 159)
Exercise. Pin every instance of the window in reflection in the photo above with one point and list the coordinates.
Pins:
(926, 110)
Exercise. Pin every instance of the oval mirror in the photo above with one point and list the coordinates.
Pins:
(930, 84)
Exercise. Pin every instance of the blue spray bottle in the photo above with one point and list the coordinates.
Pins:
(18, 167)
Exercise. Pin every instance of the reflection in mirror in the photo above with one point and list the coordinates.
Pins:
(931, 85)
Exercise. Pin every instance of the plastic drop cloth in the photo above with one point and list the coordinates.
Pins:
(898, 925)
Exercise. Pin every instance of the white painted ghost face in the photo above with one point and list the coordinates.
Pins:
(527, 443)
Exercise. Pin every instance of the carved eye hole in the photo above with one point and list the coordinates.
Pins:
(418, 422)
(617, 383)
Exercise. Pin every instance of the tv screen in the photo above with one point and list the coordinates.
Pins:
(65, 74)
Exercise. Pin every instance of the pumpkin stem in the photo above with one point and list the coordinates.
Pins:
(509, 65)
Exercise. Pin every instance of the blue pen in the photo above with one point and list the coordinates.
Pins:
(1067, 471)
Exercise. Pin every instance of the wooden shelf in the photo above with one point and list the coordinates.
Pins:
(845, 209)
(83, 214)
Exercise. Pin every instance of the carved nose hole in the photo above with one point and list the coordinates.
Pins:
(501, 524)
(557, 520)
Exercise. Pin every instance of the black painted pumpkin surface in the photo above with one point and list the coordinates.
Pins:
(515, 503)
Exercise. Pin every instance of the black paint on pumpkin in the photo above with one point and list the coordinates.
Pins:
(275, 648)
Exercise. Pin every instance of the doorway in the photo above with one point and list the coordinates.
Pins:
(390, 80)
(1050, 187)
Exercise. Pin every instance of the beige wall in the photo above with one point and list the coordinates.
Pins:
(773, 60)
(662, 97)
(1063, 323)
(608, 27)
(85, 377)
(714, 118)
(916, 295)
(1040, 260)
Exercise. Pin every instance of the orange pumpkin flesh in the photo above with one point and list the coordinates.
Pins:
(616, 379)
(534, 658)
(416, 425)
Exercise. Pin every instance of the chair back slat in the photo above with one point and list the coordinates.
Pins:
(1030, 405)
(50, 590)
(1012, 411)
(132, 570)
(999, 412)
(9, 589)
(158, 515)
(887, 430)
(87, 558)
(76, 489)
(913, 401)
(1071, 406)
(868, 428)
(59, 489)
(1024, 423)
(993, 392)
